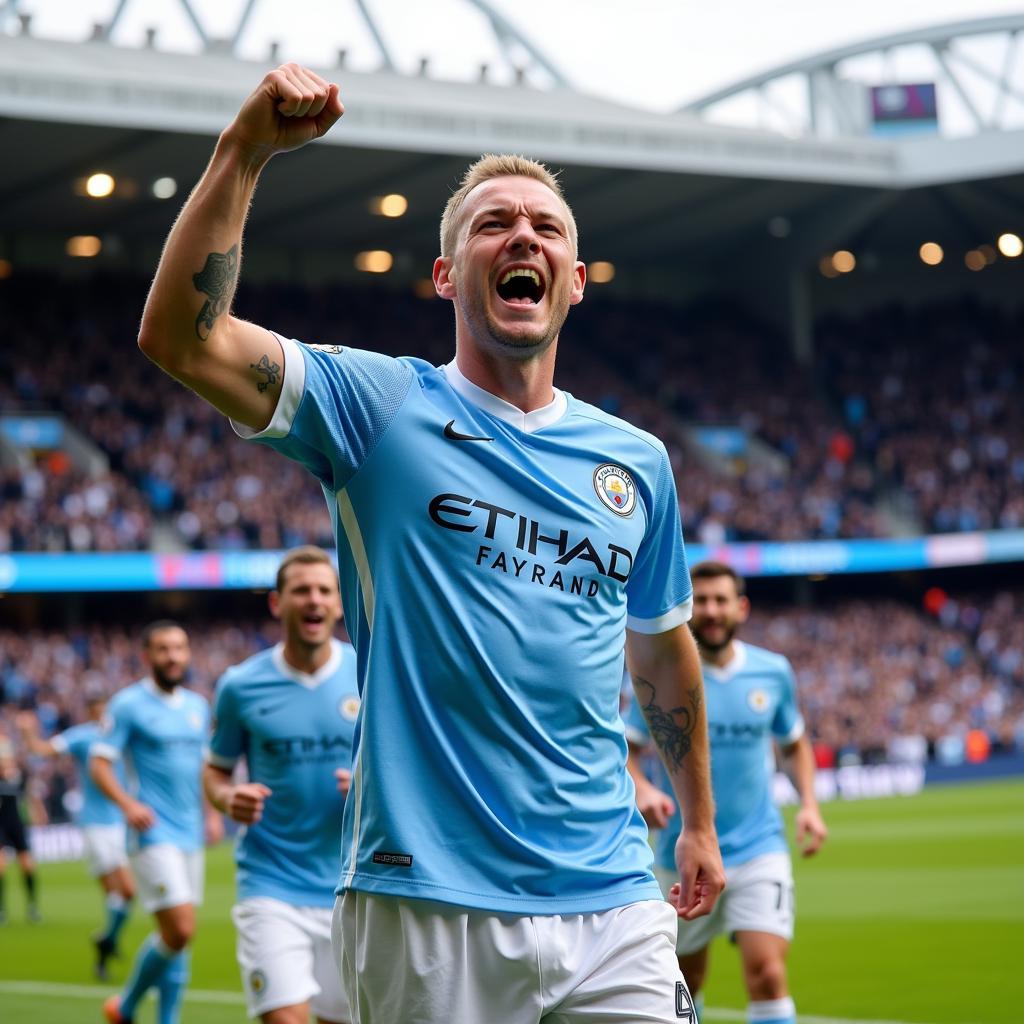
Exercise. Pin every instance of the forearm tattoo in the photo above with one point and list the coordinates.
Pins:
(671, 730)
(268, 371)
(217, 281)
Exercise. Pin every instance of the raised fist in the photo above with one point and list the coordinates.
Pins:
(290, 107)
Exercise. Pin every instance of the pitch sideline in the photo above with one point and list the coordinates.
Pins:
(213, 997)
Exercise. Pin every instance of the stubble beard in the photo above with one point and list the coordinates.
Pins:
(730, 632)
(515, 345)
(165, 682)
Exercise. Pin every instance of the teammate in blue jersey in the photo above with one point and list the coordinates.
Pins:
(502, 546)
(160, 729)
(290, 712)
(751, 700)
(99, 820)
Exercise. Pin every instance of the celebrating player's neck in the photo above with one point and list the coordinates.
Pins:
(524, 383)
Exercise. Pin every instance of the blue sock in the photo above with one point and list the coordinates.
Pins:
(118, 910)
(172, 987)
(772, 1011)
(150, 963)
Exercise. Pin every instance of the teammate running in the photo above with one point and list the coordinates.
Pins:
(99, 820)
(161, 728)
(291, 712)
(14, 788)
(751, 695)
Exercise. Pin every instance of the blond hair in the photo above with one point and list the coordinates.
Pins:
(307, 554)
(490, 166)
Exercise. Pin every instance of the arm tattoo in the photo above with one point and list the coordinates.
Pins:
(216, 280)
(671, 730)
(269, 370)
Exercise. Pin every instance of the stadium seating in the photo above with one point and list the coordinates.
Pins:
(879, 680)
(904, 423)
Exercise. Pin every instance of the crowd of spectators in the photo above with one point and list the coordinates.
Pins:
(931, 398)
(878, 680)
(898, 410)
(882, 681)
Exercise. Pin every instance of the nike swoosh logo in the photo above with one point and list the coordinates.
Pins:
(454, 435)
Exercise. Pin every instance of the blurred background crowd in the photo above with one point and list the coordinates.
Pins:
(904, 422)
(879, 680)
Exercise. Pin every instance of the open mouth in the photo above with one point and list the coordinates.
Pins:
(312, 620)
(521, 286)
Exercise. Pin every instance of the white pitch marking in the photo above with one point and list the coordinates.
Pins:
(710, 1013)
(199, 995)
(98, 992)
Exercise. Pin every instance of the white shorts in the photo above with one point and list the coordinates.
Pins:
(105, 849)
(410, 961)
(758, 897)
(167, 876)
(285, 956)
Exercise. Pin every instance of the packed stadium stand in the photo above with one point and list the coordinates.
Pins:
(904, 423)
(880, 680)
(928, 400)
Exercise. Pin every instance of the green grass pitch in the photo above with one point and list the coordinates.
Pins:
(914, 912)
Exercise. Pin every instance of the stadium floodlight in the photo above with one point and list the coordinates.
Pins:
(827, 267)
(1010, 245)
(6, 269)
(975, 260)
(374, 261)
(391, 205)
(83, 245)
(844, 261)
(989, 253)
(600, 272)
(931, 254)
(99, 185)
(164, 188)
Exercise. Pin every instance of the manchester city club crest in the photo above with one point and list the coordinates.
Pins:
(758, 701)
(257, 981)
(349, 708)
(615, 488)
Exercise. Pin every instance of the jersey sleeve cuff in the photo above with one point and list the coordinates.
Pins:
(59, 744)
(795, 733)
(219, 761)
(292, 387)
(106, 751)
(663, 623)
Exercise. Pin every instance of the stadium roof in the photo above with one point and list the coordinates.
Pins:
(653, 192)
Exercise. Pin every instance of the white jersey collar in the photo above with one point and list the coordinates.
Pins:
(528, 422)
(727, 671)
(174, 699)
(310, 681)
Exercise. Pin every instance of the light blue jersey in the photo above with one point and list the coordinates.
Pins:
(96, 808)
(490, 562)
(294, 730)
(749, 702)
(161, 737)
